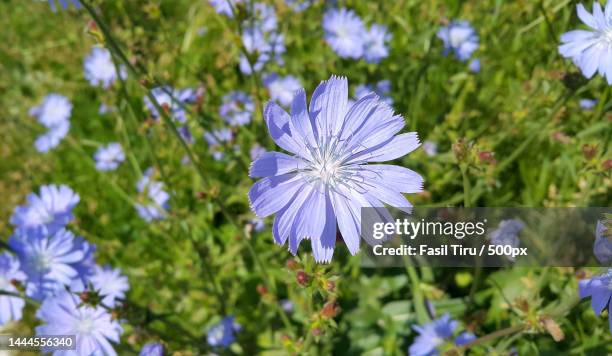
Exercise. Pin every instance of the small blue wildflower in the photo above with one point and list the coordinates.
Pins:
(152, 349)
(224, 7)
(375, 44)
(265, 47)
(156, 198)
(64, 4)
(474, 65)
(223, 334)
(264, 17)
(110, 283)
(100, 69)
(430, 148)
(94, 327)
(599, 288)
(344, 32)
(460, 38)
(588, 104)
(382, 89)
(435, 334)
(603, 245)
(109, 157)
(50, 139)
(168, 98)
(104, 109)
(258, 224)
(55, 109)
(298, 5)
(507, 233)
(11, 308)
(326, 179)
(47, 212)
(237, 108)
(282, 88)
(591, 50)
(51, 261)
(256, 151)
(185, 134)
(287, 305)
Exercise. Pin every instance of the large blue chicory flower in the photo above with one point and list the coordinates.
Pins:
(110, 283)
(100, 69)
(223, 334)
(50, 139)
(52, 261)
(282, 88)
(109, 157)
(603, 245)
(237, 108)
(344, 32)
(47, 212)
(64, 4)
(155, 198)
(94, 327)
(599, 288)
(591, 50)
(10, 307)
(460, 38)
(326, 180)
(435, 334)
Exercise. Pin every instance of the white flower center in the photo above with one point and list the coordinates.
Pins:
(607, 36)
(85, 325)
(43, 260)
(4, 283)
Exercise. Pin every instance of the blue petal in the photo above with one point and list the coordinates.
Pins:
(301, 119)
(278, 125)
(402, 179)
(323, 247)
(600, 299)
(309, 221)
(348, 221)
(284, 219)
(330, 105)
(586, 17)
(271, 194)
(274, 164)
(396, 147)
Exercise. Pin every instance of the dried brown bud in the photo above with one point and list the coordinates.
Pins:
(589, 151)
(262, 290)
(316, 332)
(291, 264)
(302, 278)
(331, 309)
(486, 157)
(330, 286)
(85, 296)
(607, 165)
(552, 328)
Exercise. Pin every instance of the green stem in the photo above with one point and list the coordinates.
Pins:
(417, 293)
(496, 334)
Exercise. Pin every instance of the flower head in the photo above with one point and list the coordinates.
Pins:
(153, 349)
(382, 89)
(591, 50)
(603, 244)
(170, 99)
(55, 109)
(474, 65)
(265, 46)
(100, 69)
(298, 5)
(156, 198)
(47, 212)
(435, 334)
(282, 88)
(430, 148)
(460, 38)
(375, 44)
(52, 261)
(64, 4)
(264, 17)
(93, 327)
(224, 6)
(587, 104)
(109, 157)
(344, 32)
(326, 179)
(54, 135)
(223, 334)
(110, 283)
(599, 288)
(507, 233)
(237, 108)
(216, 139)
(10, 307)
